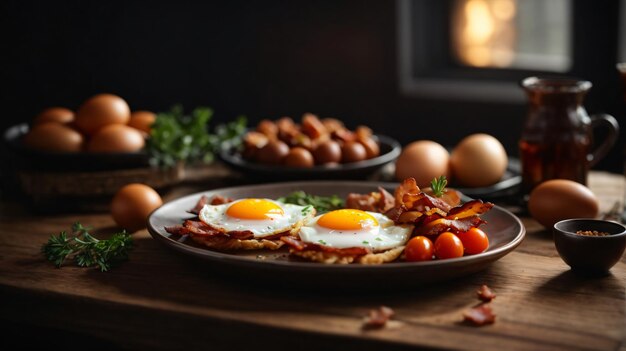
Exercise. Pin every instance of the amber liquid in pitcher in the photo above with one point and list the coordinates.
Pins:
(553, 159)
(556, 139)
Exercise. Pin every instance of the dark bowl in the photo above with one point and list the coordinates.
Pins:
(589, 254)
(389, 150)
(68, 161)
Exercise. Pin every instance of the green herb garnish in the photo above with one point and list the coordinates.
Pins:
(176, 137)
(306, 210)
(439, 185)
(365, 242)
(322, 242)
(320, 203)
(86, 250)
(379, 239)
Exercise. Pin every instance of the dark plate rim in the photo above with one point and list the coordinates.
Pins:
(234, 259)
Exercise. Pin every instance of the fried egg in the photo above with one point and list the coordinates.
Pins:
(355, 228)
(262, 217)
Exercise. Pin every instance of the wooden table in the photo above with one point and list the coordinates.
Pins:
(163, 300)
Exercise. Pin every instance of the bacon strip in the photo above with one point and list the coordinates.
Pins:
(200, 228)
(220, 200)
(204, 200)
(408, 186)
(470, 208)
(178, 230)
(380, 201)
(300, 245)
(480, 315)
(199, 205)
(441, 225)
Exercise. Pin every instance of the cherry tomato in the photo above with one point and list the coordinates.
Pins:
(474, 241)
(420, 248)
(448, 245)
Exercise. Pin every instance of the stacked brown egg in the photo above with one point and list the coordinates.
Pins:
(313, 142)
(103, 123)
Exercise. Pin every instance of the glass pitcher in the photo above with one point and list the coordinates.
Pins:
(557, 139)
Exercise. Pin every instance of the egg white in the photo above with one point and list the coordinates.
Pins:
(294, 216)
(385, 236)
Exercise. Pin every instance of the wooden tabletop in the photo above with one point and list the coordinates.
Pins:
(163, 300)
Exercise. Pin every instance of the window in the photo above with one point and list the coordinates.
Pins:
(480, 49)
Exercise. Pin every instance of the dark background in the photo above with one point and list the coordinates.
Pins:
(263, 59)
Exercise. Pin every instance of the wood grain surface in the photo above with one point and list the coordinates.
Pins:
(163, 300)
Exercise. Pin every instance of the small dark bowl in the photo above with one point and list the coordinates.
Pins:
(589, 254)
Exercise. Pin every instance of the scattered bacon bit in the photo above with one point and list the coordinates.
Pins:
(485, 294)
(377, 318)
(380, 201)
(479, 315)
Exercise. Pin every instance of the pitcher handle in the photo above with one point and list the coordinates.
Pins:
(607, 144)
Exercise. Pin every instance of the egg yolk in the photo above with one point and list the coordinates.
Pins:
(347, 219)
(255, 209)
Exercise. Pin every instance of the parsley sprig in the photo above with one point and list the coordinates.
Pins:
(439, 185)
(87, 250)
(320, 203)
(176, 137)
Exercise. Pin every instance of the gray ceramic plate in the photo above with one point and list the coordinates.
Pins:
(504, 229)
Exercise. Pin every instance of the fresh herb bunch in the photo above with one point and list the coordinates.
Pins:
(439, 185)
(320, 203)
(177, 137)
(86, 250)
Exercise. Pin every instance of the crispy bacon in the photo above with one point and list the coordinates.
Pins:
(178, 230)
(200, 228)
(441, 225)
(380, 201)
(479, 315)
(485, 294)
(408, 186)
(199, 205)
(204, 200)
(470, 208)
(424, 202)
(378, 317)
(300, 245)
(450, 196)
(220, 200)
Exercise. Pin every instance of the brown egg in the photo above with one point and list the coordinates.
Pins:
(116, 138)
(272, 153)
(53, 136)
(558, 199)
(353, 151)
(142, 120)
(132, 205)
(422, 160)
(55, 114)
(299, 157)
(371, 147)
(478, 160)
(327, 152)
(101, 110)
